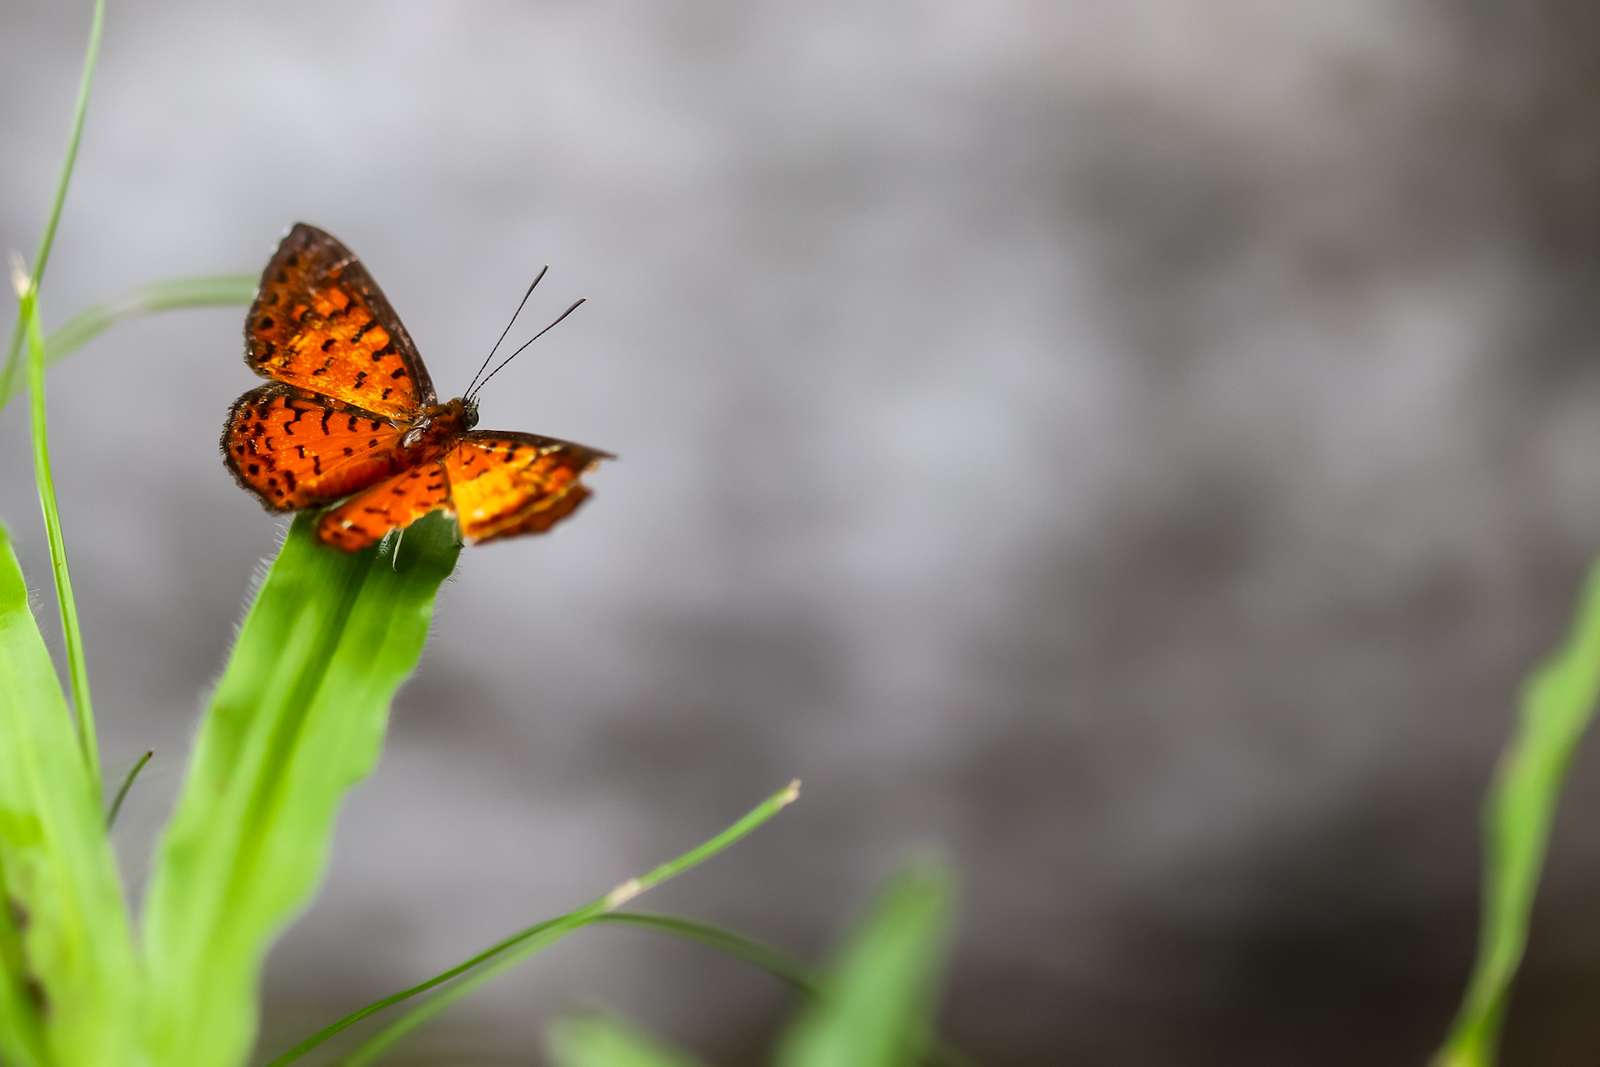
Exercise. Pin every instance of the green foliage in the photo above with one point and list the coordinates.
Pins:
(875, 1007)
(297, 719)
(1558, 702)
(64, 939)
(595, 1042)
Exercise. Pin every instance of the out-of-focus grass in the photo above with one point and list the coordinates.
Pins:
(872, 1009)
(876, 1004)
(1558, 702)
(599, 1042)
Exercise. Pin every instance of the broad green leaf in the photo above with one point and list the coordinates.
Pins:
(64, 933)
(595, 1042)
(1558, 701)
(297, 719)
(875, 1006)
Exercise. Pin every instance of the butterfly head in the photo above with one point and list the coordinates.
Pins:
(453, 416)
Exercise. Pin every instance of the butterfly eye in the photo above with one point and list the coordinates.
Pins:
(470, 418)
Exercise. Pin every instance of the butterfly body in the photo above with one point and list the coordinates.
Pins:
(351, 417)
(439, 428)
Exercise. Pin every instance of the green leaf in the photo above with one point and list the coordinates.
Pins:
(502, 956)
(64, 937)
(596, 1042)
(1558, 701)
(876, 1005)
(297, 719)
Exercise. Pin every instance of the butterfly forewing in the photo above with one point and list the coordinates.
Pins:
(319, 322)
(503, 483)
(295, 450)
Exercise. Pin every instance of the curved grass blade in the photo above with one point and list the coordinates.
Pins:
(127, 784)
(77, 663)
(1558, 702)
(65, 943)
(298, 718)
(876, 1006)
(514, 949)
(729, 943)
(170, 294)
(41, 255)
(596, 1042)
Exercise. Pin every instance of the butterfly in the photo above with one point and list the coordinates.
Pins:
(351, 418)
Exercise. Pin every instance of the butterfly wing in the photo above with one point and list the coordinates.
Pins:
(503, 484)
(321, 323)
(296, 450)
(392, 504)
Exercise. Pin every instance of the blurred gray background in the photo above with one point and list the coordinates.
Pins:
(1135, 447)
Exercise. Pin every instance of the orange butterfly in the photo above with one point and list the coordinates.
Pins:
(353, 415)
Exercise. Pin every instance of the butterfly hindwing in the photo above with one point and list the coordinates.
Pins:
(319, 322)
(390, 505)
(502, 483)
(295, 450)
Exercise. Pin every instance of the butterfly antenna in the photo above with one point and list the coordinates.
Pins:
(531, 286)
(529, 341)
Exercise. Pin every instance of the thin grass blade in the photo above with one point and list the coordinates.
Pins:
(122, 791)
(297, 719)
(41, 255)
(77, 661)
(500, 957)
(1558, 702)
(746, 949)
(65, 939)
(170, 294)
(743, 948)
(876, 1005)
